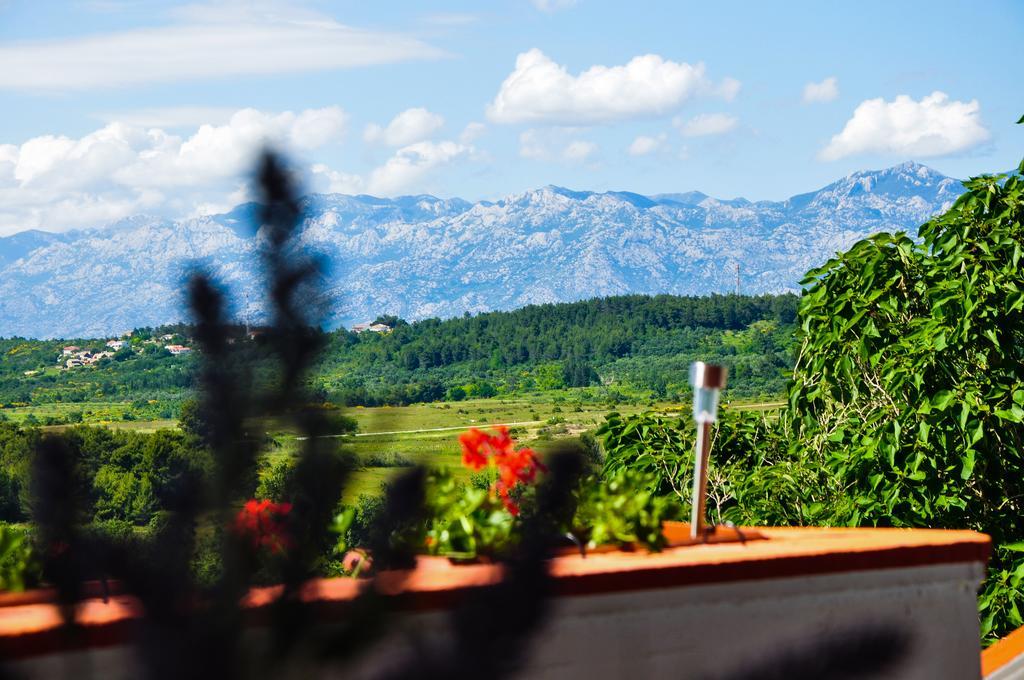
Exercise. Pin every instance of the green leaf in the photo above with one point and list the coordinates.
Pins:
(968, 467)
(942, 399)
(1015, 547)
(1015, 414)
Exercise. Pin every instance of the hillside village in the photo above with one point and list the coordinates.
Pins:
(73, 356)
(136, 342)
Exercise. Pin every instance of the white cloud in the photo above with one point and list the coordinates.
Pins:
(314, 128)
(216, 41)
(825, 91)
(645, 144)
(412, 164)
(552, 145)
(326, 180)
(934, 126)
(57, 182)
(472, 132)
(540, 91)
(706, 124)
(550, 6)
(728, 89)
(579, 151)
(408, 127)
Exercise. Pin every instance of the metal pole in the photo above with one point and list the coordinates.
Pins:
(708, 381)
(700, 480)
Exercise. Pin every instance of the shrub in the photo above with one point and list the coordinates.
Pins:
(387, 459)
(622, 510)
(19, 565)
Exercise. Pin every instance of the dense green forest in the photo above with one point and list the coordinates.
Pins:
(632, 344)
(635, 342)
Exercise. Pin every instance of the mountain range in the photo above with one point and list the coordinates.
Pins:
(422, 256)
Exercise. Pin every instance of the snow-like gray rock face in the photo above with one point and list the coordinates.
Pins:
(420, 256)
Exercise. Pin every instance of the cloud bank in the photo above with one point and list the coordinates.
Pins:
(541, 91)
(57, 183)
(934, 126)
(408, 127)
(205, 43)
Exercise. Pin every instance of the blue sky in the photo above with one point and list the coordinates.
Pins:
(114, 108)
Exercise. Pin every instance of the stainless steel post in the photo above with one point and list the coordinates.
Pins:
(707, 381)
(700, 480)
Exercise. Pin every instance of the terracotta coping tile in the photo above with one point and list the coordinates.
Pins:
(1002, 652)
(33, 628)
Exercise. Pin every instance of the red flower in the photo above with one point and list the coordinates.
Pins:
(264, 524)
(504, 492)
(518, 466)
(514, 467)
(474, 448)
(501, 443)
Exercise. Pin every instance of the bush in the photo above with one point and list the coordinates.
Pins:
(274, 482)
(621, 510)
(387, 459)
(19, 565)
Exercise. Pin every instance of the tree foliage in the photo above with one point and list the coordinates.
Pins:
(906, 406)
(909, 381)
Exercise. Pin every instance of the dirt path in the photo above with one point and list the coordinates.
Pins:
(428, 429)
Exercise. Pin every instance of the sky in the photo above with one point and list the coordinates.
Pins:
(114, 108)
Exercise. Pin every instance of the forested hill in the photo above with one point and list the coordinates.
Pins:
(637, 342)
(633, 345)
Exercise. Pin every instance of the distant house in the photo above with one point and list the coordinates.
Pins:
(72, 363)
(168, 337)
(116, 344)
(372, 327)
(178, 349)
(69, 350)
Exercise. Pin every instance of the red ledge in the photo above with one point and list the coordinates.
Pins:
(31, 629)
(1002, 652)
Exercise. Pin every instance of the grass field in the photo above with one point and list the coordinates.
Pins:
(428, 434)
(391, 437)
(92, 411)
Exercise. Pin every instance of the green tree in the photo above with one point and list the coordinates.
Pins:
(578, 373)
(192, 421)
(910, 379)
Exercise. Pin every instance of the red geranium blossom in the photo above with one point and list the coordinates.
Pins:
(264, 524)
(474, 448)
(514, 466)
